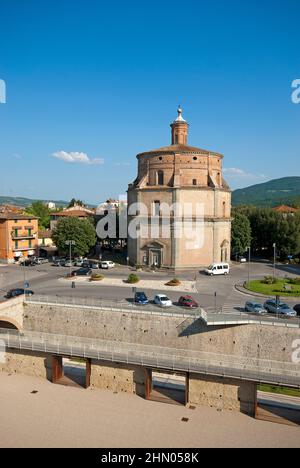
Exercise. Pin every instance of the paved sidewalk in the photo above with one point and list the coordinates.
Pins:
(156, 285)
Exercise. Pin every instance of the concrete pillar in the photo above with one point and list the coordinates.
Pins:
(222, 393)
(57, 368)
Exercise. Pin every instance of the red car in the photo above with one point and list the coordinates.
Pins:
(188, 301)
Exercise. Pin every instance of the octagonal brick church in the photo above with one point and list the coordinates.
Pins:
(182, 178)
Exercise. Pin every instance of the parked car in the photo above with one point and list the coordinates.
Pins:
(271, 306)
(94, 266)
(188, 301)
(28, 262)
(40, 260)
(255, 308)
(286, 310)
(106, 265)
(162, 300)
(242, 260)
(79, 263)
(59, 263)
(82, 272)
(218, 269)
(69, 263)
(281, 308)
(141, 298)
(297, 309)
(18, 292)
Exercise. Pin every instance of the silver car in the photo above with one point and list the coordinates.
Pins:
(255, 308)
(281, 308)
(286, 310)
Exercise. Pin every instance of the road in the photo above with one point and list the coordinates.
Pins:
(44, 279)
(283, 401)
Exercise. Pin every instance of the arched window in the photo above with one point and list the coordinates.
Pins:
(160, 178)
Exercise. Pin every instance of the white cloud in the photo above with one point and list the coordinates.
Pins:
(235, 172)
(75, 157)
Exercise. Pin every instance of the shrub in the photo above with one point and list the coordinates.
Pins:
(270, 280)
(133, 279)
(174, 282)
(138, 267)
(97, 277)
(295, 281)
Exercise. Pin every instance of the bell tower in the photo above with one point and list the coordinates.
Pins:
(180, 130)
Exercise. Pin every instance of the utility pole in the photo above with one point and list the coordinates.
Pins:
(70, 243)
(249, 263)
(274, 266)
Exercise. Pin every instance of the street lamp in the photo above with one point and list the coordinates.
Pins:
(249, 262)
(274, 269)
(70, 243)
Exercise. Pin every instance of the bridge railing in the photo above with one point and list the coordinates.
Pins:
(230, 366)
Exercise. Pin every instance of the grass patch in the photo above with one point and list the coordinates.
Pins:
(282, 287)
(78, 360)
(279, 390)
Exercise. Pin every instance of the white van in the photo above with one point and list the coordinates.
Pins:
(107, 265)
(218, 269)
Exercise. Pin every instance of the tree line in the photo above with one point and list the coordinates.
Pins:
(260, 228)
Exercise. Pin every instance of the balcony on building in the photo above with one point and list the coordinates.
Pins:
(17, 235)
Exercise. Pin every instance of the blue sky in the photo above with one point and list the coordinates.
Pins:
(105, 78)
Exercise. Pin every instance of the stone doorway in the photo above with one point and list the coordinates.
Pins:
(155, 258)
(153, 254)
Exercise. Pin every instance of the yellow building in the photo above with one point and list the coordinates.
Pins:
(18, 237)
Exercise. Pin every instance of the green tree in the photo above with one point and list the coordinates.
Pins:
(287, 236)
(81, 231)
(269, 227)
(240, 234)
(41, 211)
(75, 202)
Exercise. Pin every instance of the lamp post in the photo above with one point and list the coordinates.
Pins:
(274, 269)
(70, 243)
(249, 262)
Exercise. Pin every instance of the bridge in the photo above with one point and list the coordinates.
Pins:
(205, 363)
(222, 357)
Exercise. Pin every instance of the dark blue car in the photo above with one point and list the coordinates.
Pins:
(141, 298)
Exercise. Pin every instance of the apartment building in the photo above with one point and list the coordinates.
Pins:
(18, 237)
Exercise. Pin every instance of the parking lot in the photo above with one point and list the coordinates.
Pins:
(214, 294)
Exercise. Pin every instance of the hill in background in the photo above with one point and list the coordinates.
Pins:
(285, 191)
(24, 202)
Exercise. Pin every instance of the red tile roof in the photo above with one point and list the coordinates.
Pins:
(73, 214)
(285, 209)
